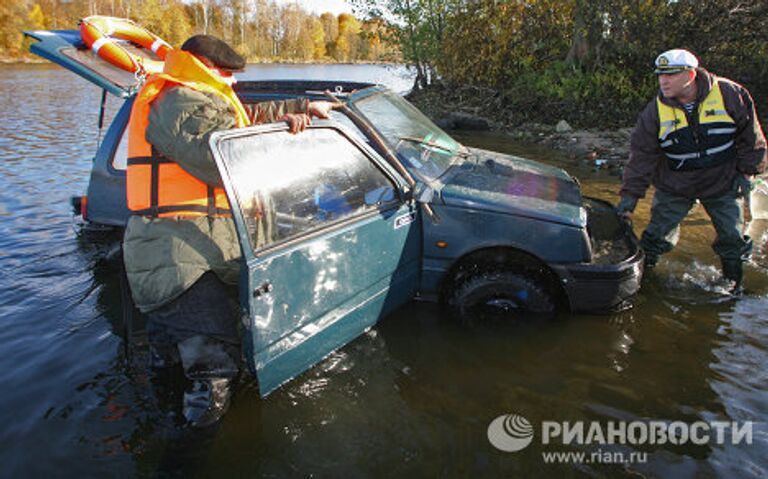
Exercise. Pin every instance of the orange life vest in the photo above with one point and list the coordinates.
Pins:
(157, 186)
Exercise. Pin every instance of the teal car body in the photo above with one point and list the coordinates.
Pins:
(364, 212)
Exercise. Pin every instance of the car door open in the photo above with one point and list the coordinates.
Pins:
(329, 243)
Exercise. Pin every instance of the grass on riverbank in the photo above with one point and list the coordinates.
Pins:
(605, 100)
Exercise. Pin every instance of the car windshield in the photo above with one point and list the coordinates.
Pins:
(425, 149)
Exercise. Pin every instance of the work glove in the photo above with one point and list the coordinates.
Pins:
(626, 205)
(742, 185)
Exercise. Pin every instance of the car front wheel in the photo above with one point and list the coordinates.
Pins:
(501, 296)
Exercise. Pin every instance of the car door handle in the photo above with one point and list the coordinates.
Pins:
(265, 288)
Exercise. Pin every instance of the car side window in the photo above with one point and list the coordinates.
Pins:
(120, 160)
(344, 120)
(288, 185)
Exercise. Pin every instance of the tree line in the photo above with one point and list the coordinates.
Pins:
(590, 61)
(260, 30)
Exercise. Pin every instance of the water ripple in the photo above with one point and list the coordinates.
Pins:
(413, 397)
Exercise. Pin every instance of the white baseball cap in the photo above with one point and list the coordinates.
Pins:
(674, 61)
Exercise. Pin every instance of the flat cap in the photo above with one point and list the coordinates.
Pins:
(216, 50)
(674, 61)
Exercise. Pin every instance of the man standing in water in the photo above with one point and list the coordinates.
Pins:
(699, 139)
(180, 248)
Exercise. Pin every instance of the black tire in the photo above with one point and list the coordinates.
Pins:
(501, 296)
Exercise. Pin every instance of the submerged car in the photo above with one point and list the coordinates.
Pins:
(360, 214)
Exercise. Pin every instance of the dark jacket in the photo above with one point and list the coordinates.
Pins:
(648, 165)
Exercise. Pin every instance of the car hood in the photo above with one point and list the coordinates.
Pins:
(486, 180)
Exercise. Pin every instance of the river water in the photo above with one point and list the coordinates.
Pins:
(413, 397)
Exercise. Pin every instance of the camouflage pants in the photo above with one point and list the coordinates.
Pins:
(726, 213)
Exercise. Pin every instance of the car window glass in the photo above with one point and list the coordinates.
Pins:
(344, 120)
(118, 76)
(426, 149)
(288, 185)
(120, 160)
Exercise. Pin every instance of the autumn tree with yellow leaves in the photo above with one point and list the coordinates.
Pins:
(261, 30)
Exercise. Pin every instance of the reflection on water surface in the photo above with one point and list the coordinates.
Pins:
(412, 397)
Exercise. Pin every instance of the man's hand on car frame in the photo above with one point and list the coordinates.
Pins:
(298, 122)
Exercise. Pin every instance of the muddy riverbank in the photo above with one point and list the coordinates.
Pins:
(473, 108)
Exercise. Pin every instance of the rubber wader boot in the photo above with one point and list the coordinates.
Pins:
(163, 356)
(206, 402)
(733, 271)
(212, 367)
(165, 377)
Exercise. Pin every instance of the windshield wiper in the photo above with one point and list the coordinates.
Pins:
(421, 141)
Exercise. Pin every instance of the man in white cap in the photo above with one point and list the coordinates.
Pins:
(699, 139)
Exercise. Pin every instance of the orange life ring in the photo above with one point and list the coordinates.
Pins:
(100, 33)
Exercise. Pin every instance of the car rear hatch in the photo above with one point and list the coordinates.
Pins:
(66, 48)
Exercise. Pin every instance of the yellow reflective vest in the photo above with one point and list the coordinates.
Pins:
(698, 140)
